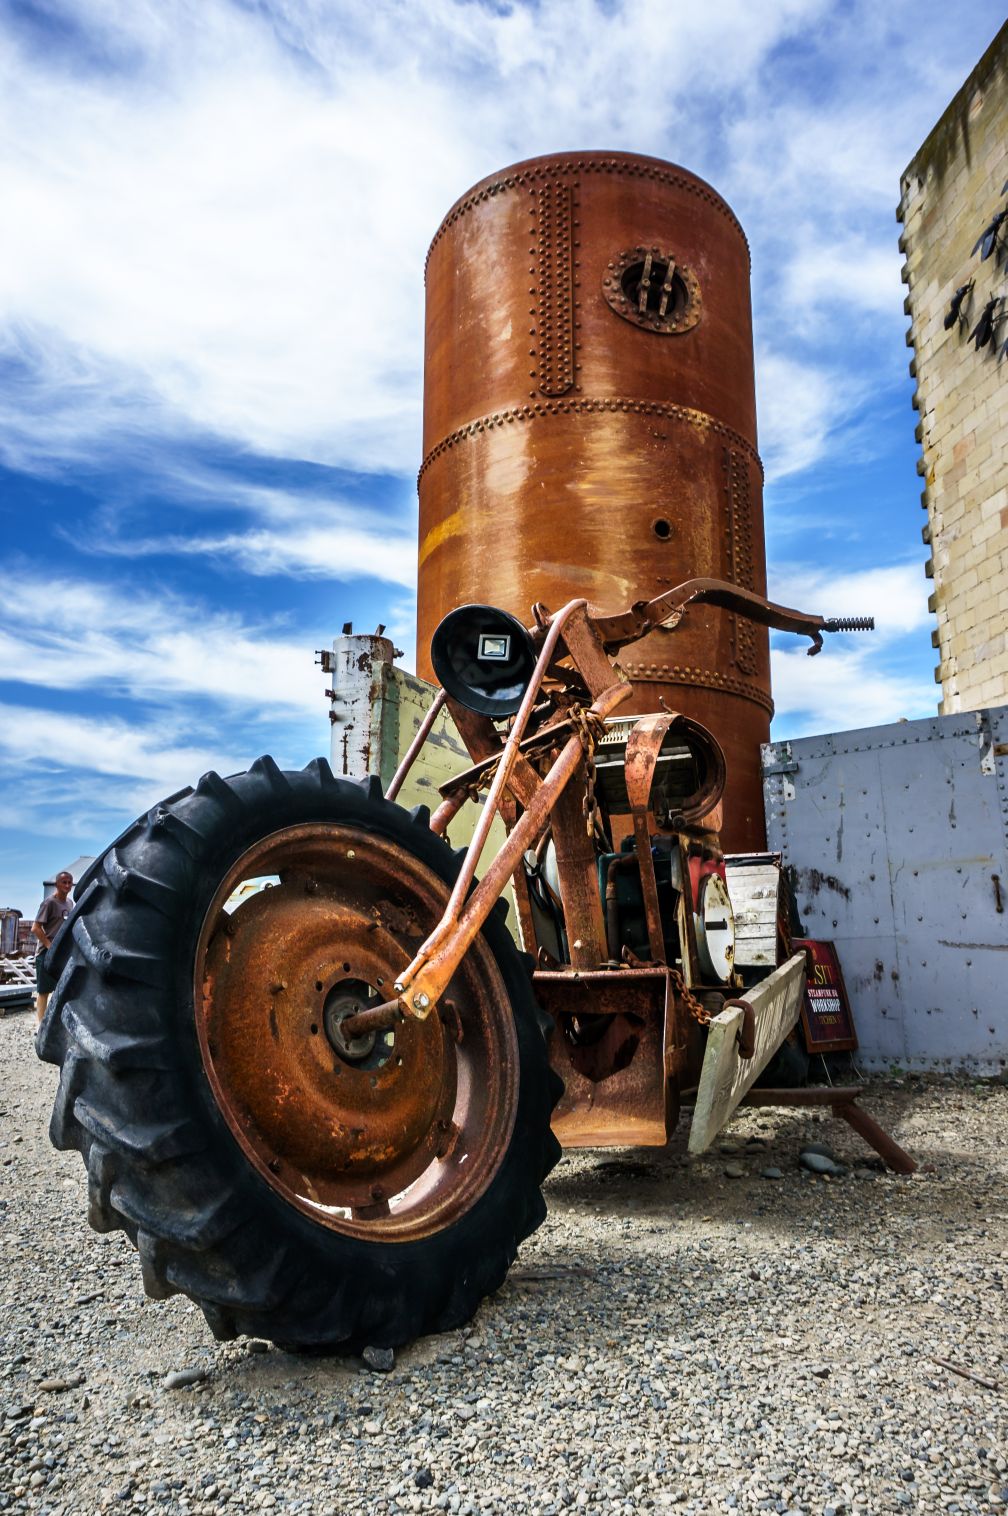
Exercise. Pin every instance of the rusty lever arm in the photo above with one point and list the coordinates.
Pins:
(642, 617)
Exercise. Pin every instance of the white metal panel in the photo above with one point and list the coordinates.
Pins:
(895, 835)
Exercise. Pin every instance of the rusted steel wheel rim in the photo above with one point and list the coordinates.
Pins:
(391, 1137)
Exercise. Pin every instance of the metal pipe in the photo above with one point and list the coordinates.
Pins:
(420, 985)
(399, 777)
(507, 758)
(611, 906)
(447, 811)
(380, 1018)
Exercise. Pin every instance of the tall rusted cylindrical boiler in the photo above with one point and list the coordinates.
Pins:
(590, 426)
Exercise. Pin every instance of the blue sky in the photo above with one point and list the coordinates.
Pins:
(209, 433)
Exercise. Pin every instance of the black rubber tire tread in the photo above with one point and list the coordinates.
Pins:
(162, 1165)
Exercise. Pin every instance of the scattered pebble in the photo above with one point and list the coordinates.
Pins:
(180, 1379)
(667, 1342)
(382, 1360)
(819, 1163)
(734, 1171)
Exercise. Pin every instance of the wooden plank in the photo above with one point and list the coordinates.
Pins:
(754, 888)
(726, 1077)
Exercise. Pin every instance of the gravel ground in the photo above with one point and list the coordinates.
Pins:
(672, 1337)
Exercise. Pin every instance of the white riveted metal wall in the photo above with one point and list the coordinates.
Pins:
(898, 839)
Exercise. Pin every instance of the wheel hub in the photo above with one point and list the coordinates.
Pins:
(390, 1133)
(343, 1001)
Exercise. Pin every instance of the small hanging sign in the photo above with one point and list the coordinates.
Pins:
(827, 1023)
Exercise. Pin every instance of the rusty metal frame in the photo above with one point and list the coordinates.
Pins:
(589, 641)
(421, 984)
(642, 749)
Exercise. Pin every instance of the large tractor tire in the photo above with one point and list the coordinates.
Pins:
(298, 1185)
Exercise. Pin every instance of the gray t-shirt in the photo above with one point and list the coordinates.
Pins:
(52, 913)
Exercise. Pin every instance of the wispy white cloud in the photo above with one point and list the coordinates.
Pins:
(75, 635)
(223, 228)
(895, 594)
(857, 680)
(314, 551)
(845, 271)
(843, 688)
(128, 697)
(124, 750)
(801, 406)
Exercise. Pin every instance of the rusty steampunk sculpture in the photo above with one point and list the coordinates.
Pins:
(311, 1074)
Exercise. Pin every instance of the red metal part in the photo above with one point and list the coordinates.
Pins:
(575, 444)
(392, 1142)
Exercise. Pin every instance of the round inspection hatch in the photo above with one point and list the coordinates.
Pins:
(651, 288)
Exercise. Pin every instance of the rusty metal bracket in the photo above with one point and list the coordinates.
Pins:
(642, 749)
(642, 617)
(746, 1035)
(843, 1100)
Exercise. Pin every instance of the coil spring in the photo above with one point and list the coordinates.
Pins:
(849, 624)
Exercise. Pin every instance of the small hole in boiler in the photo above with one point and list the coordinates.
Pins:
(662, 529)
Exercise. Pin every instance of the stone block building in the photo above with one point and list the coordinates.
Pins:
(954, 190)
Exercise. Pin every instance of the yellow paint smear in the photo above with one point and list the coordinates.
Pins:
(451, 526)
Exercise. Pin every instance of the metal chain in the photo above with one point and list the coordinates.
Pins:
(698, 1011)
(589, 729)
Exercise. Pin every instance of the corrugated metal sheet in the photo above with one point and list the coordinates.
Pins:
(898, 839)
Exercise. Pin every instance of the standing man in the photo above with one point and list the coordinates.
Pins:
(52, 913)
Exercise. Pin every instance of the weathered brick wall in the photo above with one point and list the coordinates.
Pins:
(950, 192)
